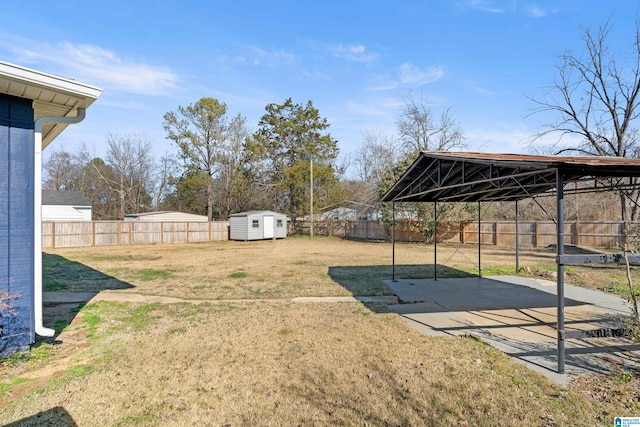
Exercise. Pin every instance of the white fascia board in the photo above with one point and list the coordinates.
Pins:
(50, 82)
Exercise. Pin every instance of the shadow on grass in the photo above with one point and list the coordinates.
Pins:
(57, 416)
(369, 280)
(67, 286)
(62, 274)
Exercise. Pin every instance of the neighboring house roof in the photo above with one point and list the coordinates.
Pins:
(164, 216)
(64, 198)
(52, 95)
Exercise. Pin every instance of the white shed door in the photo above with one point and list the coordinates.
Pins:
(268, 227)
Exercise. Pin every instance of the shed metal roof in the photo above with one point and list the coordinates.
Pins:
(472, 177)
(251, 213)
(52, 95)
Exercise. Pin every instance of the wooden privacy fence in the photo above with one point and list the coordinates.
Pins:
(597, 234)
(115, 233)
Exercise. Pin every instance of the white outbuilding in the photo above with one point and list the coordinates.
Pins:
(166, 216)
(65, 206)
(257, 225)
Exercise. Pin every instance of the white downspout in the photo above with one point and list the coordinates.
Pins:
(37, 216)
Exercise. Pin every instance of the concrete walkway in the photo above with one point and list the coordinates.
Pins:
(517, 315)
(80, 297)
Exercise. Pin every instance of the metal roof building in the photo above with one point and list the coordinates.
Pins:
(167, 216)
(480, 177)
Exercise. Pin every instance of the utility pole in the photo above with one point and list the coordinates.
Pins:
(311, 202)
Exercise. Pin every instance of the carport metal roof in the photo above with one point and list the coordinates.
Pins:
(478, 177)
(473, 177)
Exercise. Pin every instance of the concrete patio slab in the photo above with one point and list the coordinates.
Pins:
(517, 315)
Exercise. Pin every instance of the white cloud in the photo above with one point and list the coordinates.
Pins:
(497, 141)
(354, 52)
(534, 11)
(483, 91)
(100, 67)
(270, 57)
(409, 74)
(485, 6)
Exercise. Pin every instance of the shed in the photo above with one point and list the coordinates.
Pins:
(257, 225)
(65, 206)
(34, 108)
(168, 216)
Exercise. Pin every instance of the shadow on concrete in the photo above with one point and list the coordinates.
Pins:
(57, 416)
(514, 314)
(518, 315)
(471, 294)
(370, 281)
(67, 286)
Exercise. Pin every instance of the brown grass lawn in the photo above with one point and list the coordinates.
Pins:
(275, 362)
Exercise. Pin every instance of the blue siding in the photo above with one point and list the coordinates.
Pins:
(16, 224)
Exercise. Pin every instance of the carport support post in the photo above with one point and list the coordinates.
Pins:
(435, 241)
(479, 242)
(393, 241)
(517, 243)
(560, 271)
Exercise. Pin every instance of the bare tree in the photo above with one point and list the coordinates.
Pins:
(374, 158)
(128, 176)
(162, 179)
(420, 129)
(60, 170)
(233, 189)
(595, 97)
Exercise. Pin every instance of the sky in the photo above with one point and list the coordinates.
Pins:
(355, 60)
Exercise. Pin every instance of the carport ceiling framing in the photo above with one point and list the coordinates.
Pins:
(479, 177)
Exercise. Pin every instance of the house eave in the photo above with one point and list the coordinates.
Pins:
(51, 95)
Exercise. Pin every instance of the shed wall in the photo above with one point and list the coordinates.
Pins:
(16, 224)
(65, 213)
(238, 228)
(280, 231)
(241, 226)
(255, 233)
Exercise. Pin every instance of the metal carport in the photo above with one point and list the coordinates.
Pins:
(481, 177)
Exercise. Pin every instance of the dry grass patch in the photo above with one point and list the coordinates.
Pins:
(278, 363)
(263, 269)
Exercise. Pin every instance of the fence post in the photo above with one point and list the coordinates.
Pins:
(93, 233)
(188, 232)
(209, 222)
(535, 234)
(495, 233)
(576, 233)
(461, 227)
(118, 233)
